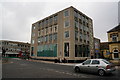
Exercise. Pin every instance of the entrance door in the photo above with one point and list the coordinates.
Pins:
(116, 54)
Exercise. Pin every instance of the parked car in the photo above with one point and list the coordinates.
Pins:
(100, 66)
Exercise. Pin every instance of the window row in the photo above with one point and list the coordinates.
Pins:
(47, 38)
(48, 30)
(80, 16)
(8, 49)
(80, 26)
(81, 37)
(14, 44)
(49, 21)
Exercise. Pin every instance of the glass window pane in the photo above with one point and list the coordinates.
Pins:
(66, 34)
(66, 24)
(66, 13)
(66, 49)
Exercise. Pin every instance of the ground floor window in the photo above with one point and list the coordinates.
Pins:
(82, 51)
(66, 49)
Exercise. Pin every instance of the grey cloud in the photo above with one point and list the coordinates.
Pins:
(18, 17)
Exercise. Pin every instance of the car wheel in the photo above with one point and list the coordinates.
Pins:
(77, 69)
(101, 72)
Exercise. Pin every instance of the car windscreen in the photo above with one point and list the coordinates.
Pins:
(106, 61)
(87, 62)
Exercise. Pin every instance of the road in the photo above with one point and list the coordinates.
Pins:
(18, 68)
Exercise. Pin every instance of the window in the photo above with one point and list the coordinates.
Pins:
(51, 20)
(76, 25)
(80, 37)
(84, 23)
(76, 19)
(33, 27)
(55, 18)
(66, 13)
(114, 38)
(75, 13)
(42, 39)
(38, 33)
(66, 34)
(55, 37)
(76, 35)
(39, 40)
(66, 24)
(106, 61)
(116, 54)
(49, 29)
(39, 24)
(33, 41)
(45, 39)
(42, 23)
(55, 28)
(46, 30)
(33, 34)
(87, 62)
(50, 37)
(80, 21)
(66, 49)
(87, 25)
(46, 21)
(95, 62)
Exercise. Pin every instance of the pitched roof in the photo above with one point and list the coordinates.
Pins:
(117, 28)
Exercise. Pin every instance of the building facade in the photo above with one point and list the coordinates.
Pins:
(114, 42)
(65, 34)
(13, 48)
(105, 52)
(96, 47)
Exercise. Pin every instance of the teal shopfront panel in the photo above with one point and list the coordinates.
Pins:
(47, 50)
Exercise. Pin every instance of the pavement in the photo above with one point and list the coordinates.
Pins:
(51, 62)
(67, 64)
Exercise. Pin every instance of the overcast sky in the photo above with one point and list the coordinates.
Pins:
(18, 17)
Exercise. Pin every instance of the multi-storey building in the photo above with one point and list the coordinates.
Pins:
(13, 48)
(65, 34)
(114, 42)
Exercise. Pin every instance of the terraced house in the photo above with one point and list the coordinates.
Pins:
(65, 34)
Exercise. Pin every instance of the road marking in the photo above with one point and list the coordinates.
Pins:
(17, 58)
(67, 73)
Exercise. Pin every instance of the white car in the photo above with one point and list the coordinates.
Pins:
(100, 66)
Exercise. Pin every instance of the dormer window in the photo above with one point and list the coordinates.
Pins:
(114, 37)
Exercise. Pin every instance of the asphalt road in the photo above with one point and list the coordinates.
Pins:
(17, 68)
